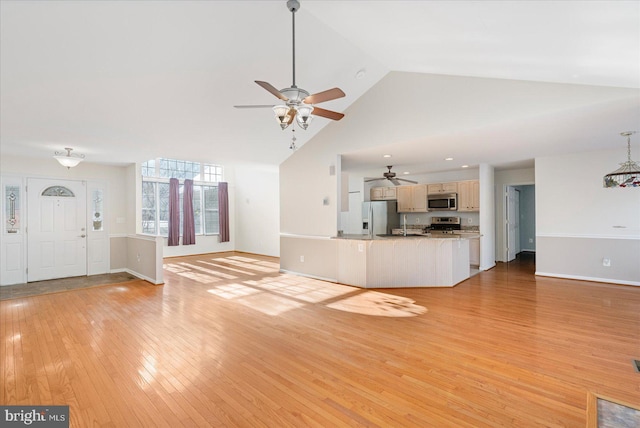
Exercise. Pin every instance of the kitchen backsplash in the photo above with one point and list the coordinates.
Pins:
(465, 228)
(424, 219)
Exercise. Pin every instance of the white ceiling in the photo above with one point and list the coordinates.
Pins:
(128, 81)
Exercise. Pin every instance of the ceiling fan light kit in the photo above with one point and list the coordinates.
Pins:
(391, 176)
(297, 101)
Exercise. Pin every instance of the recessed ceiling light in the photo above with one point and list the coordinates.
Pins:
(360, 74)
(386, 156)
(464, 166)
(406, 173)
(448, 158)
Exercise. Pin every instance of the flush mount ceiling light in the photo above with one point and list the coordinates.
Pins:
(628, 175)
(386, 156)
(68, 159)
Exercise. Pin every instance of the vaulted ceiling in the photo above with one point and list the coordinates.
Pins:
(127, 81)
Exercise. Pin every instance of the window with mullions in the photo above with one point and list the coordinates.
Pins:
(155, 195)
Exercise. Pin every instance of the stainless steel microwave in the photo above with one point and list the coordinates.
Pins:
(443, 202)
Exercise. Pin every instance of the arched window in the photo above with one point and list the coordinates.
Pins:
(58, 191)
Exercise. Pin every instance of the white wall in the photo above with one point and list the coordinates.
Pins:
(257, 201)
(309, 192)
(487, 217)
(579, 223)
(570, 198)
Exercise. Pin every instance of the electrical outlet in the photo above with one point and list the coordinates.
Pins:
(301, 259)
(361, 247)
(469, 220)
(606, 262)
(530, 240)
(418, 220)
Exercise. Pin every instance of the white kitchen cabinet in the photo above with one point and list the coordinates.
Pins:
(436, 188)
(469, 196)
(412, 199)
(383, 193)
(375, 194)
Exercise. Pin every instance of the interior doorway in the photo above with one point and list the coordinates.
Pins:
(520, 222)
(56, 234)
(512, 224)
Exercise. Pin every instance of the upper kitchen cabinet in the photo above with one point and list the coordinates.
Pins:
(469, 195)
(412, 199)
(434, 189)
(383, 194)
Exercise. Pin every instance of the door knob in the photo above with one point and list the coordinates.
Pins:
(82, 236)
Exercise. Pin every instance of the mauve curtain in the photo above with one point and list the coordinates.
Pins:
(223, 207)
(188, 222)
(174, 212)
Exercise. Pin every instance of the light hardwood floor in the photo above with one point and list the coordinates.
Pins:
(229, 341)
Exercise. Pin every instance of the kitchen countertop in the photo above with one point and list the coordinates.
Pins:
(465, 235)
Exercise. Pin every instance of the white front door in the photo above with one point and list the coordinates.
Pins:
(56, 229)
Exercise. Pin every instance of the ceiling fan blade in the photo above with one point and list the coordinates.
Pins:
(333, 115)
(373, 179)
(408, 181)
(256, 106)
(395, 181)
(320, 97)
(269, 87)
(292, 114)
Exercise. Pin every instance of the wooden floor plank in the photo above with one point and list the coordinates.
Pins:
(230, 341)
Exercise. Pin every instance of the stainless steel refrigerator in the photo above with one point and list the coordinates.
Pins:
(379, 217)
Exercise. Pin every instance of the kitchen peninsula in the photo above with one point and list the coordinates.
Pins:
(403, 261)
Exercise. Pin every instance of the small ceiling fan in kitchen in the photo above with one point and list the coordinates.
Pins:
(298, 104)
(391, 176)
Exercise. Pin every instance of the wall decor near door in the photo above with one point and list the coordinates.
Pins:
(97, 201)
(12, 208)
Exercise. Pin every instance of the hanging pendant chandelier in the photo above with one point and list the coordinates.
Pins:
(628, 175)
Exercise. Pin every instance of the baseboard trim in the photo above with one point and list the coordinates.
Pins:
(137, 275)
(588, 278)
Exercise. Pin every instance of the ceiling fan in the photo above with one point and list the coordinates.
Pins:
(391, 176)
(298, 103)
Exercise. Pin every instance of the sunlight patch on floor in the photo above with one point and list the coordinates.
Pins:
(312, 293)
(273, 293)
(209, 271)
(270, 304)
(379, 304)
(233, 291)
(221, 266)
(243, 263)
